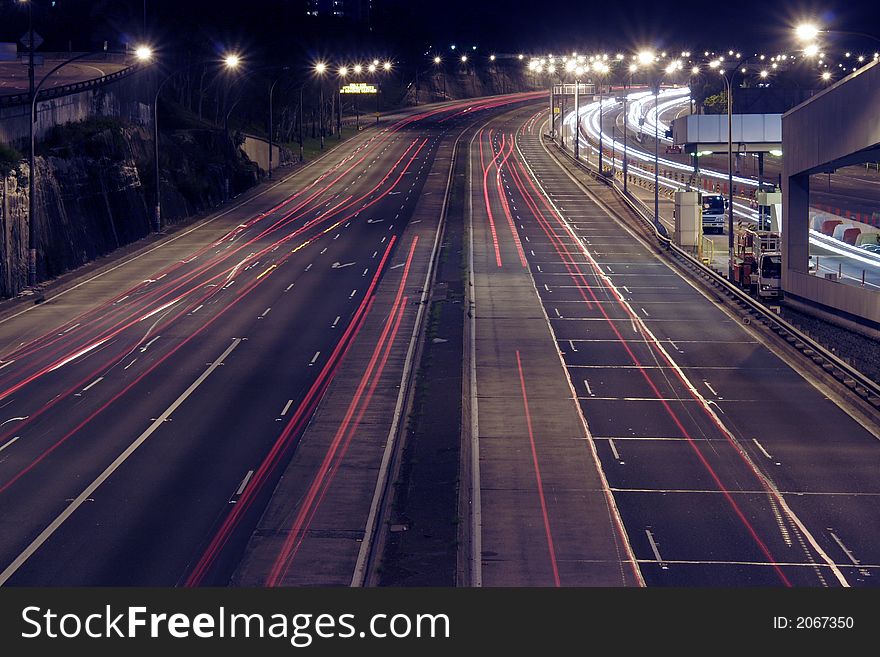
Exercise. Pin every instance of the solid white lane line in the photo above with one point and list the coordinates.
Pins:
(9, 443)
(844, 548)
(244, 483)
(89, 491)
(314, 358)
(655, 550)
(286, 407)
(93, 383)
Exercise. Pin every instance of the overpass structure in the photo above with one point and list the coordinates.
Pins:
(816, 140)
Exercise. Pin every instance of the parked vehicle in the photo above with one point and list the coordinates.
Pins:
(757, 263)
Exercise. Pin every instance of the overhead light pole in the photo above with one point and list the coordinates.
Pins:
(271, 117)
(33, 220)
(231, 62)
(728, 87)
(320, 70)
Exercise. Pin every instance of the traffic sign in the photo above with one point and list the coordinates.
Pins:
(359, 88)
(26, 40)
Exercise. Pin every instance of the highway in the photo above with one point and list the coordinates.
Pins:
(215, 408)
(14, 75)
(726, 465)
(147, 413)
(853, 189)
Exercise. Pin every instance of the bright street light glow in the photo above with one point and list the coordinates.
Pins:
(143, 53)
(437, 60)
(491, 58)
(806, 32)
(371, 68)
(232, 61)
(464, 59)
(320, 68)
(695, 70)
(343, 71)
(811, 50)
(826, 75)
(633, 68)
(357, 69)
(387, 66)
(646, 57)
(765, 73)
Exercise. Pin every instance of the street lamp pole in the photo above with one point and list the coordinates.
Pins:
(271, 118)
(577, 118)
(32, 234)
(656, 154)
(729, 87)
(301, 154)
(32, 205)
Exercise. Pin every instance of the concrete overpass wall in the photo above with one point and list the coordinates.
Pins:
(837, 127)
(127, 95)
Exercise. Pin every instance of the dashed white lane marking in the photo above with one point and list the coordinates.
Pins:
(353, 292)
(323, 251)
(286, 407)
(711, 389)
(573, 348)
(335, 322)
(309, 267)
(315, 358)
(646, 312)
(655, 550)
(589, 389)
(197, 309)
(93, 383)
(765, 452)
(244, 483)
(68, 330)
(147, 346)
(265, 312)
(134, 360)
(614, 450)
(846, 550)
(289, 287)
(7, 363)
(9, 443)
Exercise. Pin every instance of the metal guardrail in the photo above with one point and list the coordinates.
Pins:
(857, 381)
(67, 89)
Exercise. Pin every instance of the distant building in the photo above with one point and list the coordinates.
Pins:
(356, 10)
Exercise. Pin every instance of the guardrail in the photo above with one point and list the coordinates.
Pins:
(67, 89)
(857, 381)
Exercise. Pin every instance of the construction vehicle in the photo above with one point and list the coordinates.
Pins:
(757, 262)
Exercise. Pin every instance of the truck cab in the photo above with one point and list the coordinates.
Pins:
(769, 283)
(714, 208)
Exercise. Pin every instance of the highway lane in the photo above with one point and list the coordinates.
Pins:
(727, 465)
(139, 424)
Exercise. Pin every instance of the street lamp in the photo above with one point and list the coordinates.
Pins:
(320, 70)
(271, 123)
(32, 173)
(716, 64)
(632, 70)
(230, 62)
(601, 69)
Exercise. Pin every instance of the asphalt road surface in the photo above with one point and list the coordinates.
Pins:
(727, 465)
(141, 407)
